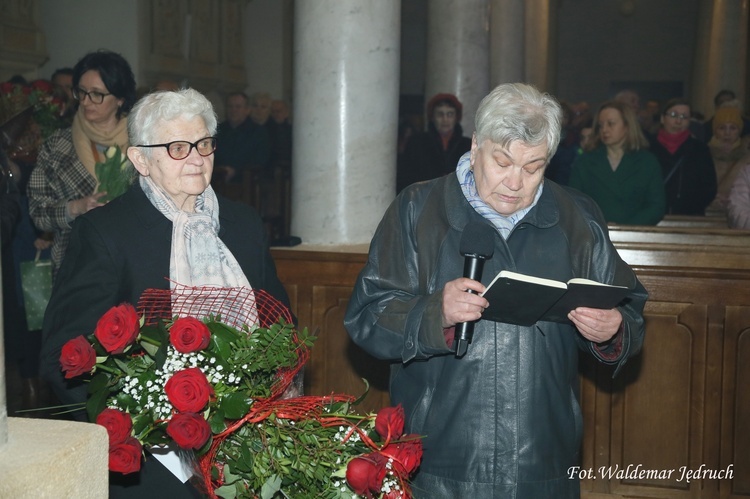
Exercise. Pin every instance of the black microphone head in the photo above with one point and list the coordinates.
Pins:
(478, 240)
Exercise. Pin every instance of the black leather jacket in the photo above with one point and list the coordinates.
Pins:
(504, 420)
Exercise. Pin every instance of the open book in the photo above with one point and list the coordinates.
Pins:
(523, 300)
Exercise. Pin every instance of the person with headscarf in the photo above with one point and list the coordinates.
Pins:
(170, 229)
(434, 153)
(729, 152)
(63, 184)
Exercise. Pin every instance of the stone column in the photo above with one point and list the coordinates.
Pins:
(539, 37)
(346, 86)
(721, 52)
(458, 53)
(506, 42)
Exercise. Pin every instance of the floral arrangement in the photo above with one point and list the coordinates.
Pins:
(36, 113)
(222, 392)
(113, 174)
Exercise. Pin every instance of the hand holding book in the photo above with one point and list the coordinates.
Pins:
(524, 300)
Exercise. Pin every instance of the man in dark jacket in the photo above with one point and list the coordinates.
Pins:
(503, 419)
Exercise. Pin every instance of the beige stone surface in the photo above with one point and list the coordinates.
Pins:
(47, 458)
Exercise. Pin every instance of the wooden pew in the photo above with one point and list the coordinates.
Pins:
(717, 221)
(681, 403)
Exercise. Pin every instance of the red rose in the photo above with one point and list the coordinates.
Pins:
(125, 457)
(118, 328)
(365, 474)
(188, 430)
(6, 87)
(77, 357)
(188, 334)
(188, 390)
(389, 423)
(118, 425)
(406, 455)
(43, 85)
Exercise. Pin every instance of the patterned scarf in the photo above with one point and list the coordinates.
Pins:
(198, 257)
(503, 224)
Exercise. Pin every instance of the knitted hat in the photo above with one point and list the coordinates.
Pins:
(727, 115)
(451, 99)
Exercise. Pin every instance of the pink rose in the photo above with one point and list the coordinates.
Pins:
(77, 357)
(188, 334)
(118, 328)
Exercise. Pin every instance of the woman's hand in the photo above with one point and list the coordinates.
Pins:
(78, 207)
(595, 324)
(460, 306)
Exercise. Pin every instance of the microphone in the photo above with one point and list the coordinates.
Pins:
(477, 245)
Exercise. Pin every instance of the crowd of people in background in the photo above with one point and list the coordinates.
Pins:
(639, 162)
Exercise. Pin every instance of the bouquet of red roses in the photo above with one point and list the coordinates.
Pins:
(217, 390)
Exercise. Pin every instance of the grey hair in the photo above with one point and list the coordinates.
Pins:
(156, 108)
(519, 112)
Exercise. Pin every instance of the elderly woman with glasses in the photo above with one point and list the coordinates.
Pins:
(686, 163)
(169, 228)
(63, 184)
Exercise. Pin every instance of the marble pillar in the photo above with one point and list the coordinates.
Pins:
(539, 37)
(721, 52)
(506, 42)
(346, 87)
(458, 53)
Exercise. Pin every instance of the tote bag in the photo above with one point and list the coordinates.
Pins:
(36, 283)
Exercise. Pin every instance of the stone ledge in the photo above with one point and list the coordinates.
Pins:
(47, 458)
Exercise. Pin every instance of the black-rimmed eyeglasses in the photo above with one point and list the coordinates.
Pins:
(181, 149)
(96, 97)
(675, 115)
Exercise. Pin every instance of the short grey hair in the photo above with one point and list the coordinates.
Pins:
(519, 112)
(157, 108)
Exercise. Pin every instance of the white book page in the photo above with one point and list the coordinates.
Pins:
(528, 278)
(169, 458)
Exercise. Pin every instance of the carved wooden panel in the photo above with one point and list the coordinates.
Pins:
(196, 41)
(22, 46)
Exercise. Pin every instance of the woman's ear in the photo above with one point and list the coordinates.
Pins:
(139, 160)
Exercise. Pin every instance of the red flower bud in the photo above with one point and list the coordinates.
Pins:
(126, 456)
(77, 357)
(188, 334)
(189, 430)
(188, 390)
(365, 474)
(118, 425)
(118, 328)
(389, 423)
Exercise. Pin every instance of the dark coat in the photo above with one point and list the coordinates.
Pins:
(504, 420)
(424, 157)
(689, 176)
(115, 253)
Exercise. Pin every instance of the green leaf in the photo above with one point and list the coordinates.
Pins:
(235, 405)
(226, 491)
(272, 485)
(141, 422)
(96, 403)
(149, 348)
(217, 423)
(98, 382)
